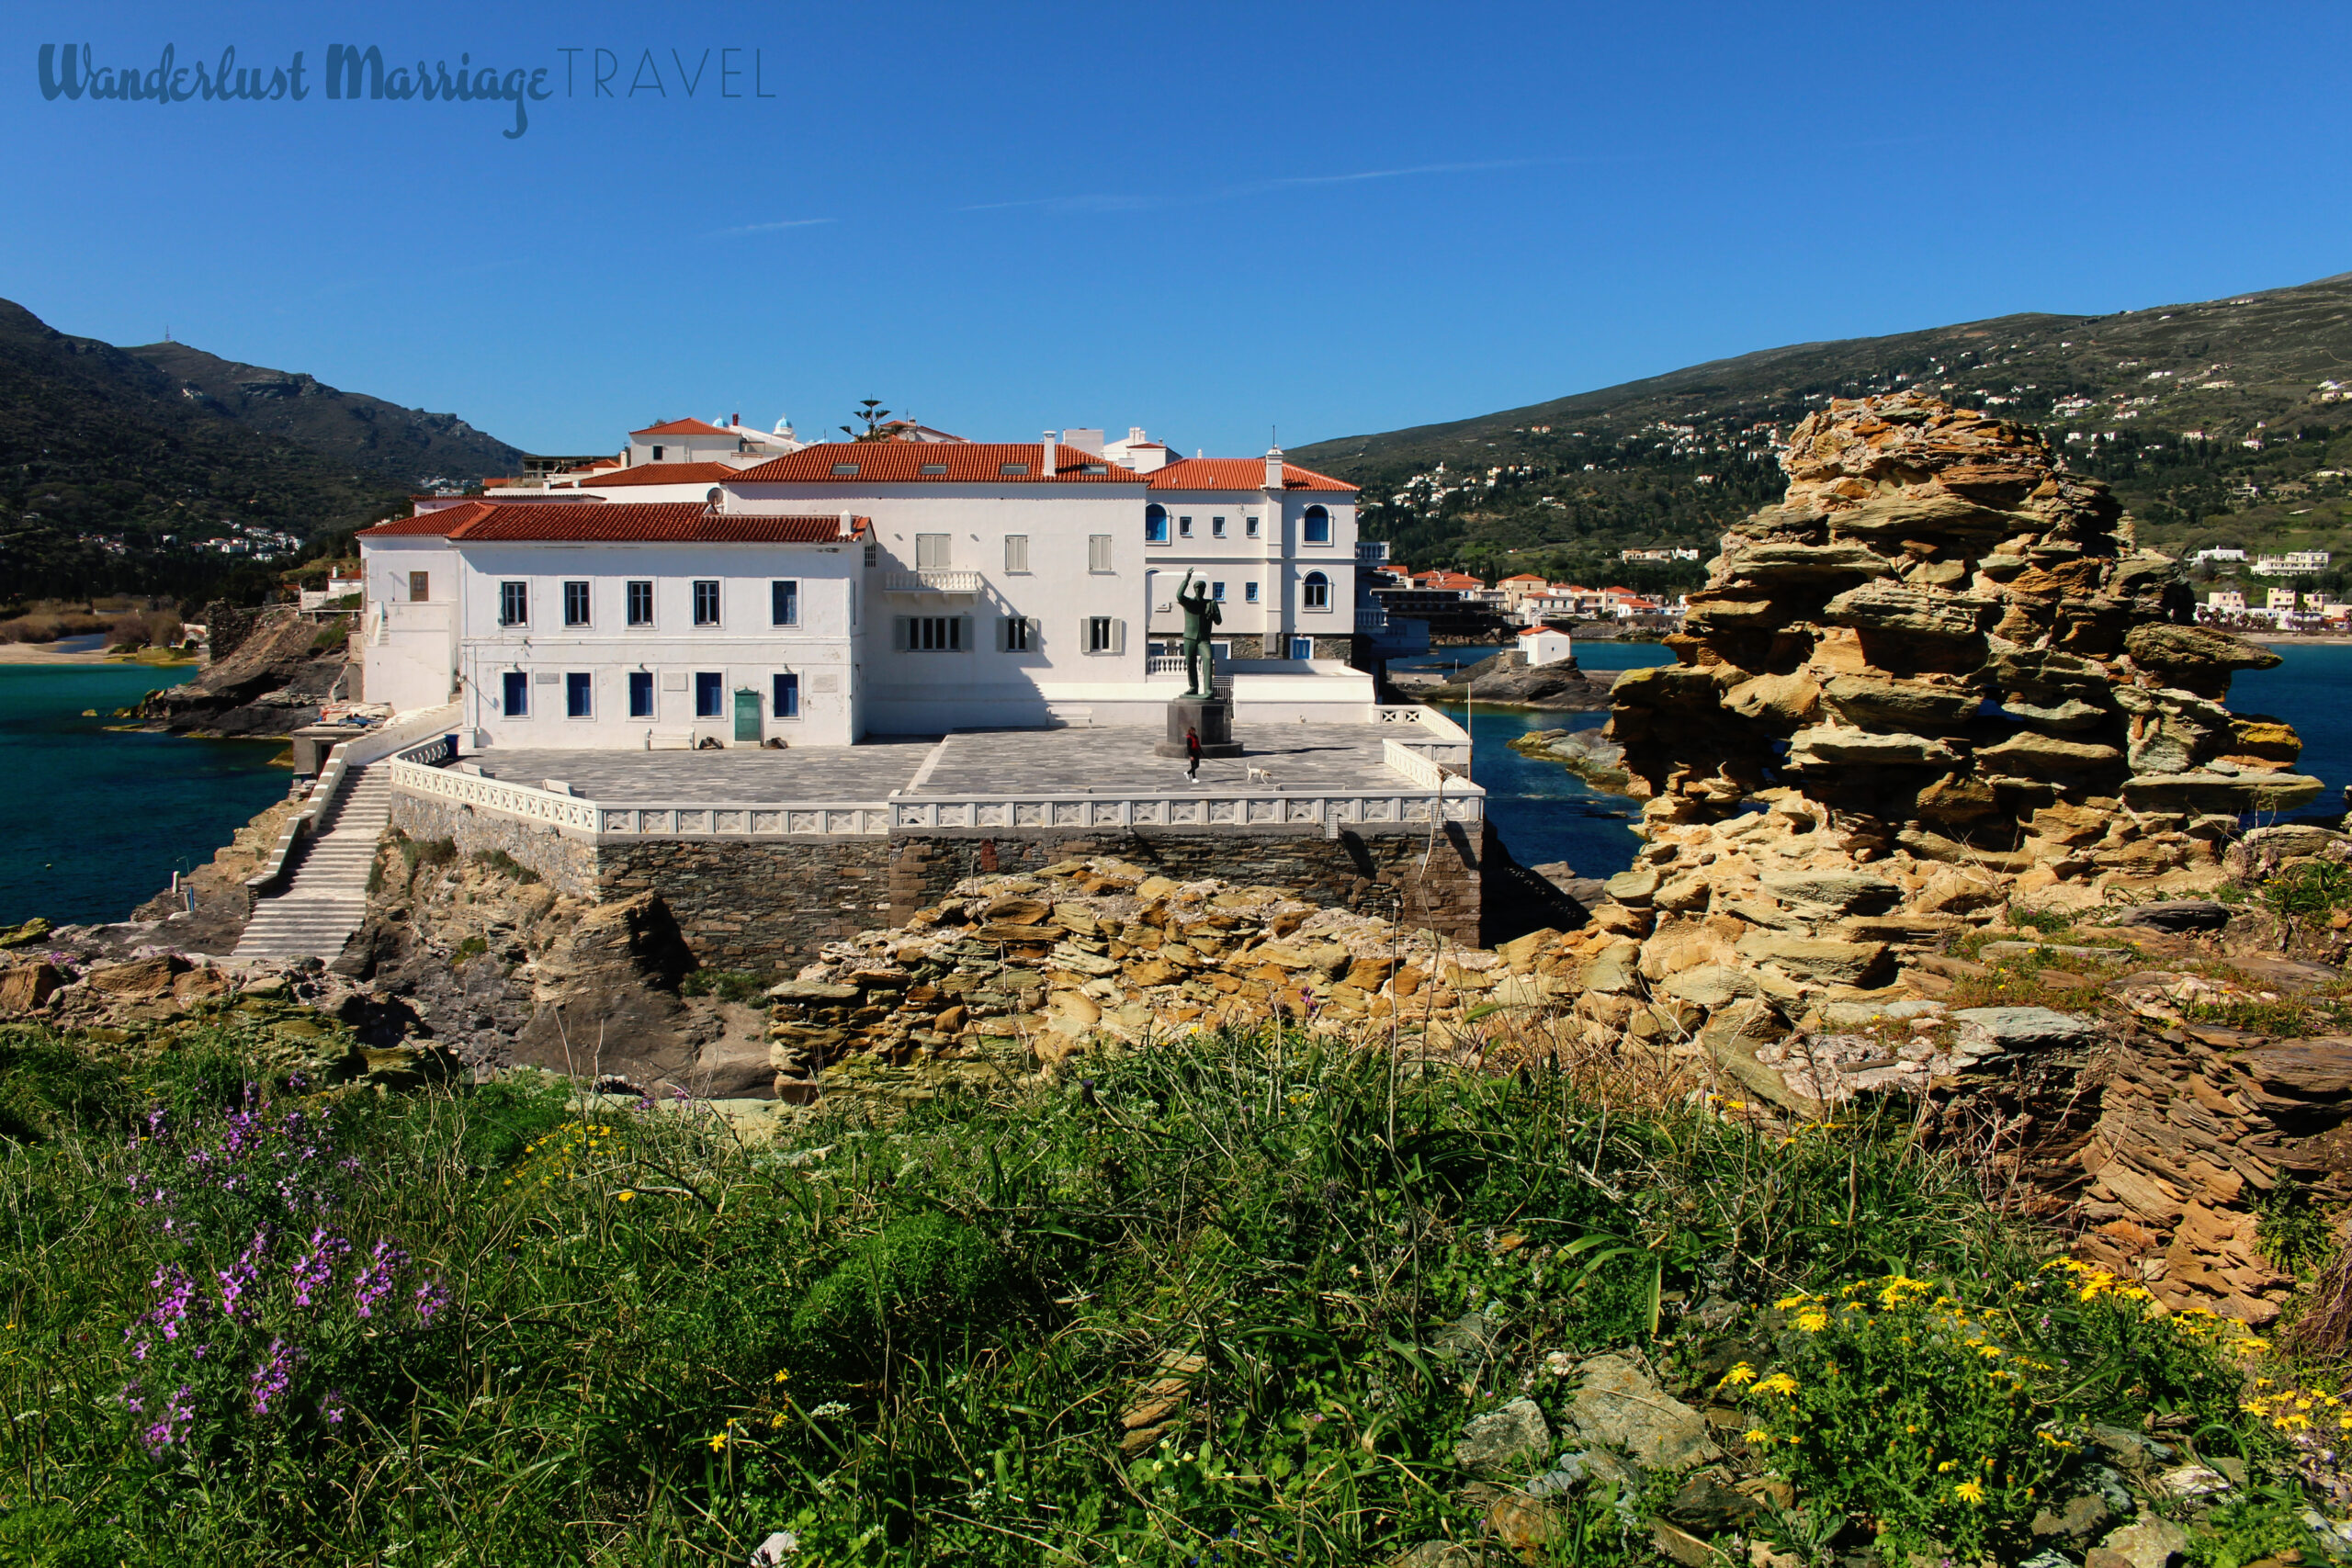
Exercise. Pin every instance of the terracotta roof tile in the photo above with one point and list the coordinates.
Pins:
(1237, 473)
(442, 521)
(666, 474)
(665, 521)
(682, 427)
(958, 462)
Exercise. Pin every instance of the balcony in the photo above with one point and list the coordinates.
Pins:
(933, 580)
(1371, 620)
(1372, 552)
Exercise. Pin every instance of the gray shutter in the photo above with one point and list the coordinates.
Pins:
(1118, 636)
(1003, 633)
(964, 641)
(899, 633)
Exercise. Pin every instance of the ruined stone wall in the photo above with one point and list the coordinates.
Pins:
(761, 903)
(1367, 872)
(566, 864)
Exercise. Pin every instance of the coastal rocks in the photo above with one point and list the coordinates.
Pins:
(1589, 754)
(271, 681)
(1507, 679)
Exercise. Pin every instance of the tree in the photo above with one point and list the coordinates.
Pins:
(879, 426)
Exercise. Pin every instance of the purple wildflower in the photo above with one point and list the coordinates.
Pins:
(177, 1414)
(179, 1300)
(316, 1268)
(333, 1407)
(430, 1299)
(271, 1378)
(240, 1276)
(376, 1280)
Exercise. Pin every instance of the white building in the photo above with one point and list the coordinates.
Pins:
(1546, 645)
(933, 584)
(2294, 563)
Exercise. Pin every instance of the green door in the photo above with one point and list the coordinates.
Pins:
(747, 715)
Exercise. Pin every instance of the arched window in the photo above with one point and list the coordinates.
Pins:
(1316, 591)
(1318, 525)
(1155, 524)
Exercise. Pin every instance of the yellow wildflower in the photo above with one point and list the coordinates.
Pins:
(1778, 1382)
(718, 1441)
(1813, 1321)
(1740, 1374)
(1969, 1492)
(1755, 1435)
(782, 1373)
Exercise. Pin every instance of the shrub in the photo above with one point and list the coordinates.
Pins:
(727, 985)
(506, 866)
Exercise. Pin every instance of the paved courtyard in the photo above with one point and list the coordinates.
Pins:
(747, 776)
(1118, 759)
(1111, 760)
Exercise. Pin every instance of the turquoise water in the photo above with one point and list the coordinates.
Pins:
(96, 822)
(1545, 814)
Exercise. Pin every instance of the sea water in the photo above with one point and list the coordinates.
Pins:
(1544, 813)
(92, 822)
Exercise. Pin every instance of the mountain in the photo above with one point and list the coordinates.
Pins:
(408, 447)
(116, 464)
(2219, 423)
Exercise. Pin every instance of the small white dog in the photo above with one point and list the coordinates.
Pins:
(1259, 776)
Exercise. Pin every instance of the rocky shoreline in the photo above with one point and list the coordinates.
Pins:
(1505, 680)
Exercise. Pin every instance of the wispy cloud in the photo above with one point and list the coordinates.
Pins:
(770, 228)
(1143, 201)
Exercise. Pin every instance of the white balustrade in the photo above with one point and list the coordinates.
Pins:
(932, 580)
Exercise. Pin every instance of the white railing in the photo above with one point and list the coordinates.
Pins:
(1372, 552)
(1326, 810)
(931, 581)
(494, 795)
(1413, 766)
(1432, 733)
(347, 758)
(1371, 620)
(861, 818)
(1161, 664)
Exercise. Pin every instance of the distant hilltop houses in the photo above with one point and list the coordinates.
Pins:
(1450, 599)
(713, 583)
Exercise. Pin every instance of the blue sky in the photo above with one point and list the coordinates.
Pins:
(1205, 219)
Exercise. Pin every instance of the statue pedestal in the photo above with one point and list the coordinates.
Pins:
(1212, 717)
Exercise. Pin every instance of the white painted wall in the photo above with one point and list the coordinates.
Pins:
(408, 648)
(743, 649)
(1279, 560)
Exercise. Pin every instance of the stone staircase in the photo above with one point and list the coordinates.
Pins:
(324, 895)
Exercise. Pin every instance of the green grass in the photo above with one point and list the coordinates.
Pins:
(620, 1335)
(727, 985)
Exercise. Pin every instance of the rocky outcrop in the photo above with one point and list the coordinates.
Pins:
(1010, 973)
(271, 680)
(1508, 679)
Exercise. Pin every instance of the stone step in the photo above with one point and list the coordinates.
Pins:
(325, 897)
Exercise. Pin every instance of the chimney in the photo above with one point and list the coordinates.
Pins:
(1275, 469)
(1047, 470)
(848, 526)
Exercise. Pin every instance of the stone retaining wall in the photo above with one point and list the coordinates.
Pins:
(774, 903)
(568, 865)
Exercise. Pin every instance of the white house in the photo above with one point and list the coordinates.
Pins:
(935, 585)
(1546, 645)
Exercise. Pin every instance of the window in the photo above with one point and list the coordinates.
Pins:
(578, 687)
(1249, 526)
(788, 696)
(1018, 635)
(513, 603)
(640, 604)
(706, 601)
(1315, 593)
(1013, 470)
(1302, 647)
(844, 470)
(1250, 592)
(1184, 527)
(1104, 634)
(640, 694)
(872, 555)
(933, 468)
(1155, 524)
(710, 695)
(657, 454)
(935, 552)
(420, 587)
(1217, 527)
(931, 634)
(1216, 591)
(1097, 552)
(517, 692)
(575, 603)
(783, 603)
(1317, 526)
(1016, 553)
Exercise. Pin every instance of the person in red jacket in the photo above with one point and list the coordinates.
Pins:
(1191, 754)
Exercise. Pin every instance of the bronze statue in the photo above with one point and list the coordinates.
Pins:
(1201, 613)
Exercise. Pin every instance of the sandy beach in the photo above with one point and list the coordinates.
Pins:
(46, 653)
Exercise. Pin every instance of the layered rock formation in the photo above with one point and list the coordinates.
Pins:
(1937, 677)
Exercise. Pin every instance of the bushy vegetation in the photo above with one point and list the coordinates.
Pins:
(1226, 1300)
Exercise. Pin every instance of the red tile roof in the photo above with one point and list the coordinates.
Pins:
(442, 519)
(682, 427)
(1237, 473)
(665, 474)
(689, 522)
(964, 462)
